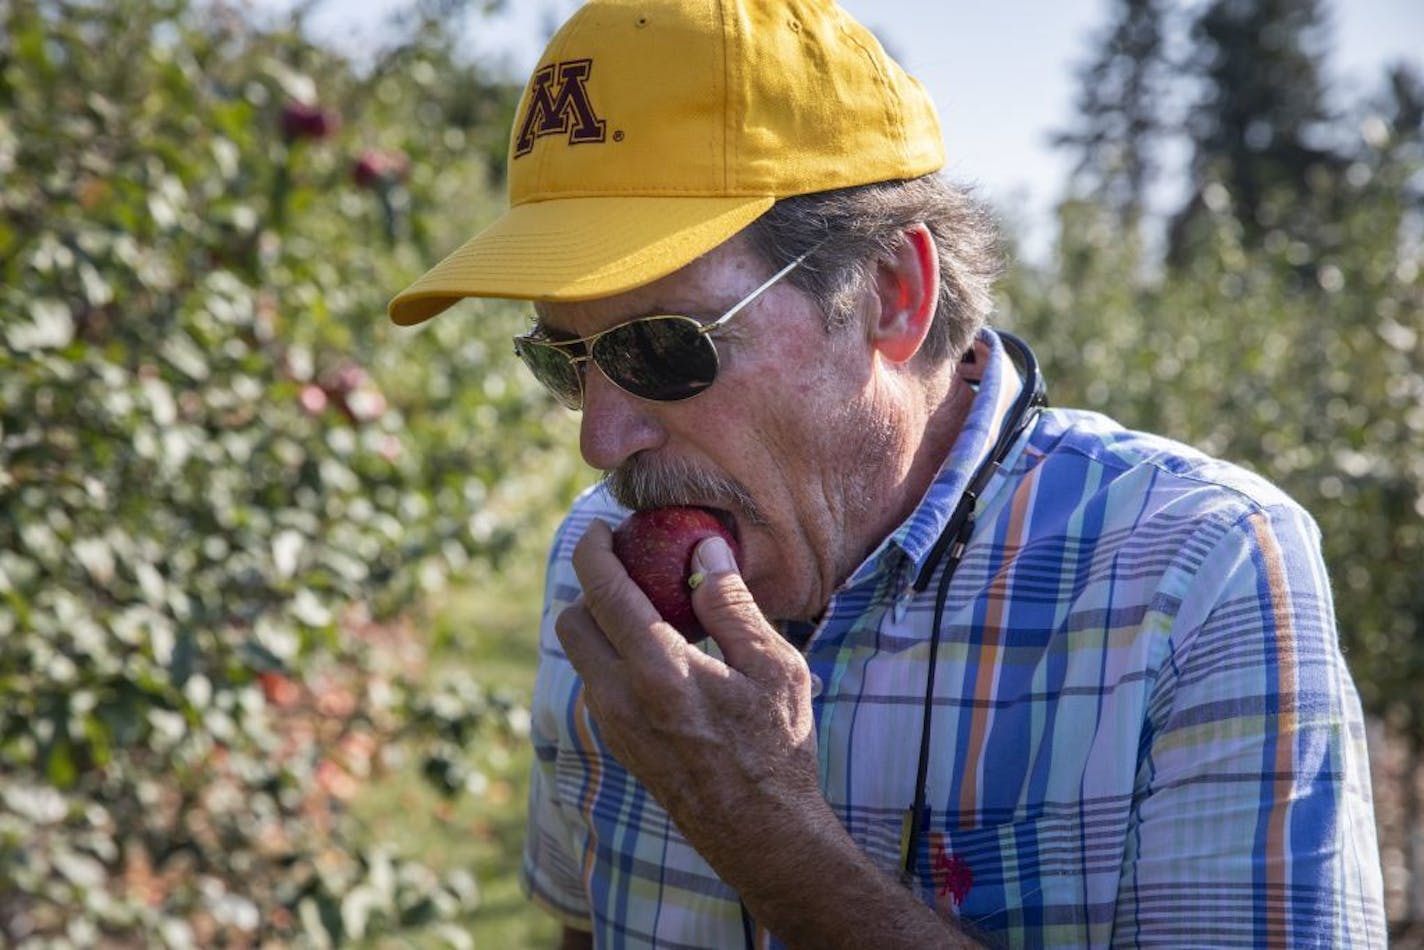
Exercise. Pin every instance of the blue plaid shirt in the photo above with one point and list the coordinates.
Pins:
(1143, 729)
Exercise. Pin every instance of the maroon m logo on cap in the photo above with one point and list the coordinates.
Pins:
(564, 110)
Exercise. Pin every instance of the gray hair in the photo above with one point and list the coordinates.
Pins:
(863, 225)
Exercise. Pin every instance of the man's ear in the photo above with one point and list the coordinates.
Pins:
(908, 286)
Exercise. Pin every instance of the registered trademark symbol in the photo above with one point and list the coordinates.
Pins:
(618, 135)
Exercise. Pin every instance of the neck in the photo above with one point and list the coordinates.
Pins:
(926, 426)
(948, 405)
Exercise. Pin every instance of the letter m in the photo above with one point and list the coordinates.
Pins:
(559, 110)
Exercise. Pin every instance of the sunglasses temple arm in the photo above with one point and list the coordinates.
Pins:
(770, 281)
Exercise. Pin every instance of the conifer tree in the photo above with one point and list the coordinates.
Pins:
(1119, 104)
(1260, 126)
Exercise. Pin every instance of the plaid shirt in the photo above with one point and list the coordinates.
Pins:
(1143, 729)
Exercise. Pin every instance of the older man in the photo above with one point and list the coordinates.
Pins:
(981, 670)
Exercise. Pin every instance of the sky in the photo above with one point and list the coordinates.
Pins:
(1002, 74)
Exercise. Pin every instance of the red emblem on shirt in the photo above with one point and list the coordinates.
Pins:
(952, 875)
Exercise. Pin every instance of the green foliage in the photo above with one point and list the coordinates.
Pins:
(1303, 360)
(1258, 125)
(481, 834)
(1284, 327)
(222, 472)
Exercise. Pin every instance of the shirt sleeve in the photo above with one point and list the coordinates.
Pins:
(1252, 823)
(550, 871)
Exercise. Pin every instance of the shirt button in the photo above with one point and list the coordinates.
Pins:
(816, 686)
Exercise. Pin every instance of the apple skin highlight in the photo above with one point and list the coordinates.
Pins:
(655, 546)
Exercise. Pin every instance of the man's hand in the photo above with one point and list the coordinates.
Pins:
(729, 750)
(725, 747)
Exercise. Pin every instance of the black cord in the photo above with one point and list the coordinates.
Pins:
(915, 819)
(953, 541)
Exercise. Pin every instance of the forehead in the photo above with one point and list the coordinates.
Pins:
(705, 287)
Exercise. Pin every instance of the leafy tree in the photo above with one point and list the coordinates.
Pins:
(1259, 129)
(1297, 351)
(223, 475)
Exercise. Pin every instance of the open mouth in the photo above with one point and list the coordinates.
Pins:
(726, 518)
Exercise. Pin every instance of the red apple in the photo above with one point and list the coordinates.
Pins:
(279, 690)
(376, 168)
(301, 120)
(656, 547)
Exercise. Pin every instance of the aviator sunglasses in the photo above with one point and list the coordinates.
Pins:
(664, 358)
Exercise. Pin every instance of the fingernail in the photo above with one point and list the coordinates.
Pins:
(713, 556)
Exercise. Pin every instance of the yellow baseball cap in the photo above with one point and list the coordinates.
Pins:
(654, 130)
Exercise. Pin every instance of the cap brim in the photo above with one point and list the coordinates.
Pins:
(577, 249)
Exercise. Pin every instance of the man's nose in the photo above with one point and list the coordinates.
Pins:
(615, 424)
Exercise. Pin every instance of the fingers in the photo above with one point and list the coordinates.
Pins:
(584, 643)
(731, 617)
(627, 619)
(616, 616)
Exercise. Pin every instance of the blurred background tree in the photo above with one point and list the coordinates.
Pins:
(252, 538)
(226, 484)
(1121, 111)
(1260, 126)
(1281, 327)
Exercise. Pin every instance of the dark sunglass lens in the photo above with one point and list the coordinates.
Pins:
(552, 368)
(664, 358)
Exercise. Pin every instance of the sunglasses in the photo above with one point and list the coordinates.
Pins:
(664, 358)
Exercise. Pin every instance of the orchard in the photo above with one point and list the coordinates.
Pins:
(226, 483)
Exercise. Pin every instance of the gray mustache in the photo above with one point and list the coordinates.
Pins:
(657, 483)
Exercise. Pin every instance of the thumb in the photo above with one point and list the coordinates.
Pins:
(726, 610)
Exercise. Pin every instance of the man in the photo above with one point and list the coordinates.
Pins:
(980, 672)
